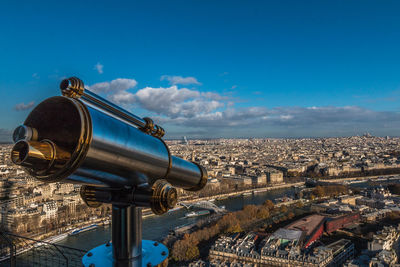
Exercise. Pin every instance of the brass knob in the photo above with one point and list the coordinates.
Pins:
(164, 197)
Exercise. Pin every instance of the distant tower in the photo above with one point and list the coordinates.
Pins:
(193, 156)
(184, 141)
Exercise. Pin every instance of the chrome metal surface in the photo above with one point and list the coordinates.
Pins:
(184, 174)
(122, 151)
(127, 235)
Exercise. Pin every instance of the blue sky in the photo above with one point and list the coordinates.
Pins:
(212, 68)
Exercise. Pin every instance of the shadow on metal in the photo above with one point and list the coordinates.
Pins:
(21, 251)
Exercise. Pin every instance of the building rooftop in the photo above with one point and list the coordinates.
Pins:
(306, 224)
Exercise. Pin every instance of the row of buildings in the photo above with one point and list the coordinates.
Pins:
(293, 245)
(26, 204)
(299, 243)
(262, 161)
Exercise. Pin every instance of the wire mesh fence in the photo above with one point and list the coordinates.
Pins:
(21, 251)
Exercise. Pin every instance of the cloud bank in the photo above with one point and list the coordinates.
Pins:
(212, 115)
(5, 136)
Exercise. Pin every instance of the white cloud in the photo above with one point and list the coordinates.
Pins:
(122, 97)
(117, 85)
(23, 106)
(166, 101)
(170, 101)
(174, 80)
(99, 67)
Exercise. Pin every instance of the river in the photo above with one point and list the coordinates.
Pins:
(157, 227)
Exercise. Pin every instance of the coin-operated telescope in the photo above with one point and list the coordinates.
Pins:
(118, 158)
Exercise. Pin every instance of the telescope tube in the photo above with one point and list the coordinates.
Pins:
(83, 144)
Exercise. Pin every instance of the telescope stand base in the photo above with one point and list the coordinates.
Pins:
(153, 254)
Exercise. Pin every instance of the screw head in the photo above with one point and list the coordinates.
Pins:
(148, 264)
(155, 244)
(90, 254)
(163, 253)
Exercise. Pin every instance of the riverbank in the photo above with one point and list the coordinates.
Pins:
(147, 212)
(361, 179)
(252, 190)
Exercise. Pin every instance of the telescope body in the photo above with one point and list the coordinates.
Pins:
(82, 144)
(117, 157)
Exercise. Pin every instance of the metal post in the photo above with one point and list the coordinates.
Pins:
(127, 236)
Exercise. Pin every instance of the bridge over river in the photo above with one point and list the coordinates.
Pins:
(205, 205)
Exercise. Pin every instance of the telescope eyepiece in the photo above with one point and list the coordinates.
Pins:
(19, 152)
(33, 154)
(24, 132)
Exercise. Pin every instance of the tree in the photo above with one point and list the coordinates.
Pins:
(319, 191)
(185, 249)
(192, 252)
(269, 204)
(290, 215)
(283, 209)
(250, 211)
(234, 228)
(263, 213)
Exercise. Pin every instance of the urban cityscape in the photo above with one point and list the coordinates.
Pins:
(338, 204)
(223, 133)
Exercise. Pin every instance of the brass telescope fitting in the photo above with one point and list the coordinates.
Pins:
(160, 197)
(164, 197)
(72, 87)
(38, 156)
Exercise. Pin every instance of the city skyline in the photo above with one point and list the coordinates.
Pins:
(211, 70)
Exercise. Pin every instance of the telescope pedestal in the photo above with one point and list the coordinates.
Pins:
(127, 247)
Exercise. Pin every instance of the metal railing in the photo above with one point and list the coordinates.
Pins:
(16, 251)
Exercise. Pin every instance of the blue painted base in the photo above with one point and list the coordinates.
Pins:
(153, 253)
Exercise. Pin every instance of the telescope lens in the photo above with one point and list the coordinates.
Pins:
(19, 152)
